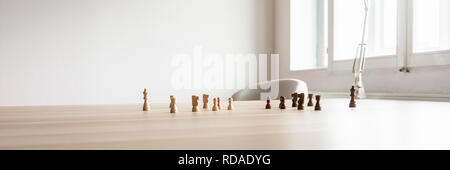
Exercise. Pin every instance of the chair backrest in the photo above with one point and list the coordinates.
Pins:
(286, 88)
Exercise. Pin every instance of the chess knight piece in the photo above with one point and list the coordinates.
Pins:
(195, 103)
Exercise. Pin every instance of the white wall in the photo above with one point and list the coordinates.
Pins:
(61, 52)
(421, 80)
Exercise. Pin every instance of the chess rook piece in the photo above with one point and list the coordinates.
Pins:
(205, 101)
(317, 107)
(282, 103)
(294, 99)
(218, 104)
(215, 108)
(268, 103)
(352, 95)
(145, 107)
(301, 101)
(195, 103)
(173, 106)
(230, 104)
(310, 102)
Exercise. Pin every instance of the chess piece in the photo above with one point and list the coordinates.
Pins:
(294, 99)
(195, 103)
(173, 106)
(215, 108)
(352, 95)
(301, 101)
(282, 103)
(310, 102)
(145, 107)
(205, 101)
(218, 104)
(268, 103)
(230, 104)
(317, 108)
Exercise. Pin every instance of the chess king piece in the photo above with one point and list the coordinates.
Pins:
(282, 103)
(215, 108)
(230, 104)
(205, 101)
(195, 103)
(301, 101)
(268, 103)
(352, 95)
(310, 102)
(145, 107)
(294, 99)
(173, 105)
(317, 108)
(218, 103)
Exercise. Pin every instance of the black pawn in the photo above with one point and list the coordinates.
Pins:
(317, 107)
(282, 103)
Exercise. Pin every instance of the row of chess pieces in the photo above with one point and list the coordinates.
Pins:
(195, 108)
(298, 101)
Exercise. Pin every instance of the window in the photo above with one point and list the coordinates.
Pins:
(431, 25)
(309, 34)
(348, 27)
(400, 33)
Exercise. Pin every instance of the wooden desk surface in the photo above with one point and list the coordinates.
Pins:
(375, 124)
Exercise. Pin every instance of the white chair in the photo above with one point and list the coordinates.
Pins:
(286, 88)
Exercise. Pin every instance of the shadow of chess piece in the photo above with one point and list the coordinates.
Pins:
(173, 106)
(268, 106)
(282, 103)
(294, 99)
(301, 101)
(352, 95)
(215, 108)
(317, 107)
(146, 107)
(310, 102)
(230, 104)
(195, 103)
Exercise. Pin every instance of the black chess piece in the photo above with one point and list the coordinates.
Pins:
(294, 99)
(310, 102)
(352, 95)
(301, 101)
(268, 106)
(317, 107)
(282, 103)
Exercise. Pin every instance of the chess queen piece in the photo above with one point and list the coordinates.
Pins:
(173, 106)
(230, 104)
(205, 101)
(317, 107)
(282, 103)
(268, 106)
(195, 103)
(301, 101)
(146, 107)
(352, 95)
(294, 99)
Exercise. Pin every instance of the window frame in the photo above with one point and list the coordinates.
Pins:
(404, 56)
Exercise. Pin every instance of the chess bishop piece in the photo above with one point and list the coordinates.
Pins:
(146, 107)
